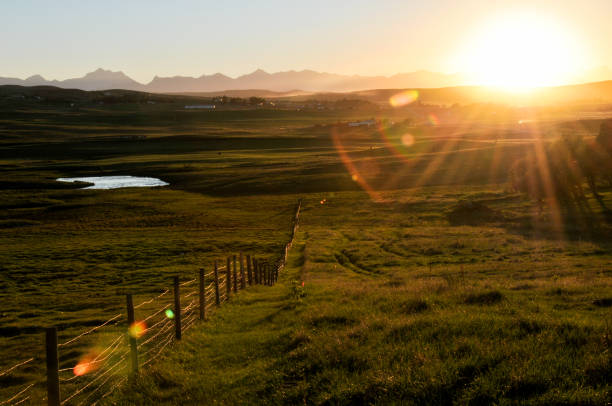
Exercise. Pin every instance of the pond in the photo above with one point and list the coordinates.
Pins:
(115, 182)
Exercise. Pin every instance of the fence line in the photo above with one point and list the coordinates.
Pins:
(17, 395)
(111, 361)
(9, 370)
(118, 316)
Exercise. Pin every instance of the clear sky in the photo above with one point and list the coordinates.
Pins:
(60, 39)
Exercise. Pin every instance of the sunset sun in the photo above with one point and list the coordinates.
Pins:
(519, 52)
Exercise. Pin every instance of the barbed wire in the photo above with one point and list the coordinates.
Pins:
(21, 401)
(116, 317)
(160, 333)
(152, 299)
(189, 282)
(168, 341)
(111, 390)
(9, 370)
(5, 402)
(109, 369)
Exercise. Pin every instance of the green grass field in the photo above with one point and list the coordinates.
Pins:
(402, 301)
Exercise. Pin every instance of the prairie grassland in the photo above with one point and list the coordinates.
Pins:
(399, 307)
(400, 301)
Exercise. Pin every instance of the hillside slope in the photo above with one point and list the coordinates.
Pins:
(396, 313)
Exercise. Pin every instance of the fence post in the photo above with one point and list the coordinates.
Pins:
(228, 279)
(258, 272)
(255, 275)
(260, 269)
(133, 346)
(262, 275)
(217, 299)
(177, 308)
(235, 276)
(249, 273)
(53, 390)
(241, 272)
(202, 296)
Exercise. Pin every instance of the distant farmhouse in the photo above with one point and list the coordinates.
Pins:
(362, 123)
(201, 106)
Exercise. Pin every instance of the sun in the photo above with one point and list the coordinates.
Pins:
(521, 51)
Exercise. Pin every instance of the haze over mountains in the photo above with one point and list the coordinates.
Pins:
(306, 80)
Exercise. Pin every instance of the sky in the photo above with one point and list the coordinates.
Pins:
(60, 39)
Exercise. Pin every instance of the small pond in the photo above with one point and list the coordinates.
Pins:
(115, 182)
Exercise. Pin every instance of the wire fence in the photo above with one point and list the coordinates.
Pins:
(93, 364)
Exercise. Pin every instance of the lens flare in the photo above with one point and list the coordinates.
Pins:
(323, 201)
(169, 313)
(407, 140)
(404, 98)
(81, 368)
(87, 364)
(433, 119)
(137, 329)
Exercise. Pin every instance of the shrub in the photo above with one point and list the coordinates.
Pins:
(485, 298)
(472, 213)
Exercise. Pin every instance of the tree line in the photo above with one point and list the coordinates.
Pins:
(561, 170)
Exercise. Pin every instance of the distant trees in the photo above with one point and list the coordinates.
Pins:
(559, 171)
(256, 100)
(605, 136)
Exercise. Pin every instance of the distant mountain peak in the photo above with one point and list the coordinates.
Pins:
(258, 72)
(104, 73)
(35, 78)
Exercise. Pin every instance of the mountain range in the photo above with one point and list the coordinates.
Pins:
(305, 80)
(294, 82)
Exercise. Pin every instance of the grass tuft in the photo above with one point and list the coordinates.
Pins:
(484, 298)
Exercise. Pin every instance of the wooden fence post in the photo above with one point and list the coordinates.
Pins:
(228, 279)
(258, 272)
(255, 275)
(177, 308)
(202, 296)
(241, 272)
(262, 273)
(53, 390)
(235, 276)
(217, 298)
(249, 273)
(133, 346)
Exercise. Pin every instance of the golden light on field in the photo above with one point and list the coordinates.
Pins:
(404, 98)
(521, 51)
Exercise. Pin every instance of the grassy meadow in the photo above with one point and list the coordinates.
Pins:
(404, 299)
